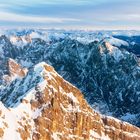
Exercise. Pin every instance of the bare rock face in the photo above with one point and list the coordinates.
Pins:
(19, 41)
(56, 110)
(15, 70)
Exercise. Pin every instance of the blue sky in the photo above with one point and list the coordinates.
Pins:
(71, 14)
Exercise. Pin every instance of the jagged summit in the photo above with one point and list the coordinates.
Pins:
(14, 71)
(53, 109)
(22, 82)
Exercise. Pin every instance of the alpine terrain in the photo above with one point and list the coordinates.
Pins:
(43, 106)
(101, 103)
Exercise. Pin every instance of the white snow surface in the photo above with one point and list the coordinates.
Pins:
(115, 52)
(18, 42)
(70, 95)
(117, 42)
(94, 135)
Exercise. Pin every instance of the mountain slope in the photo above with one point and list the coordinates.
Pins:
(53, 109)
(107, 76)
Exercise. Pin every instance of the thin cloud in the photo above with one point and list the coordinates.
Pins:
(5, 16)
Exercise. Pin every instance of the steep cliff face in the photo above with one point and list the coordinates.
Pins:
(53, 109)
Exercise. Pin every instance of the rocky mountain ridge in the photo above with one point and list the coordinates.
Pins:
(53, 109)
(108, 76)
(14, 71)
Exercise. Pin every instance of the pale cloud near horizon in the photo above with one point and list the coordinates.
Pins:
(105, 14)
(5, 16)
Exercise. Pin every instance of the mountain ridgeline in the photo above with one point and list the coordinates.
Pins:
(41, 105)
(108, 76)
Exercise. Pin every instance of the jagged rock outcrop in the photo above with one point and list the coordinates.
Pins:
(14, 71)
(53, 109)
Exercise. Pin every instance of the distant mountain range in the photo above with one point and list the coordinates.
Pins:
(105, 66)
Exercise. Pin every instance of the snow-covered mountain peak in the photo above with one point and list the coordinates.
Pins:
(39, 68)
(114, 51)
(117, 42)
